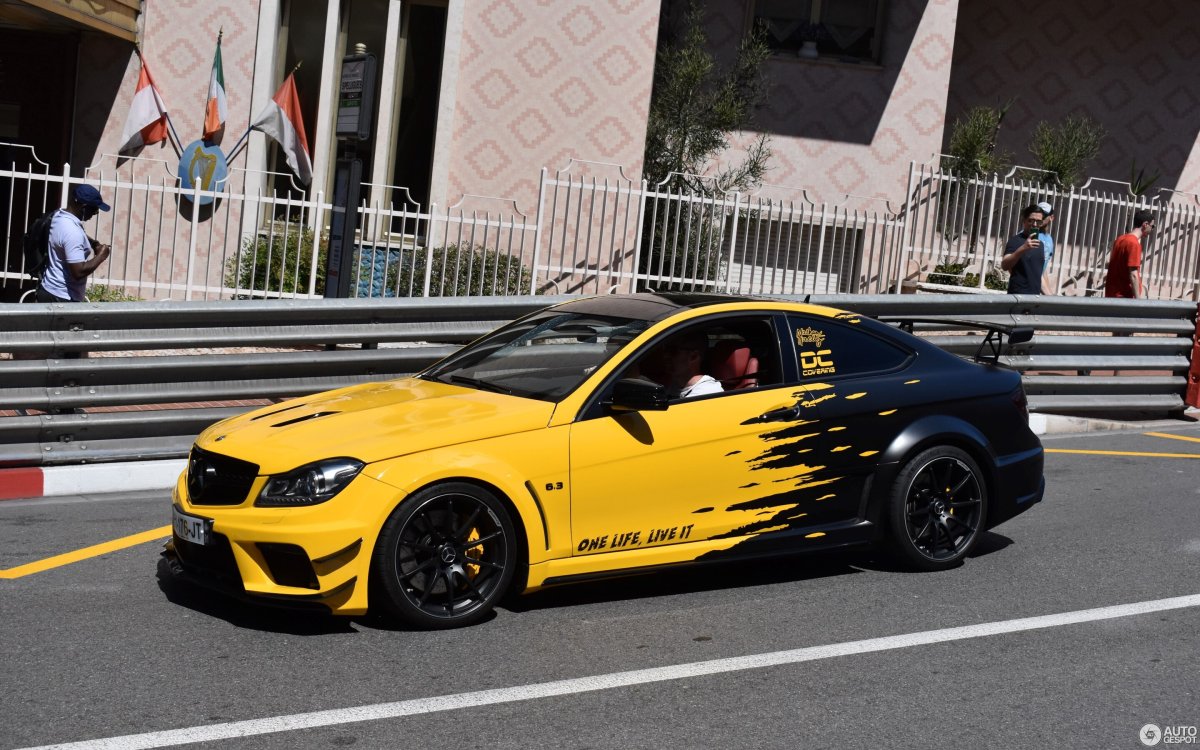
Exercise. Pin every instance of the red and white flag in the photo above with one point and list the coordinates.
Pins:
(281, 119)
(215, 111)
(146, 122)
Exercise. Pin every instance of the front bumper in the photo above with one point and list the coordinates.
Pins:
(315, 555)
(198, 576)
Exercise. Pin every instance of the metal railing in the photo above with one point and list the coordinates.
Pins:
(966, 221)
(593, 230)
(1088, 356)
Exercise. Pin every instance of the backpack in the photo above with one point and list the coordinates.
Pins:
(36, 244)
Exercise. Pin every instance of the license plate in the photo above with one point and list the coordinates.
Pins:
(191, 528)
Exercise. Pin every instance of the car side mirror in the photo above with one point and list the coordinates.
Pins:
(636, 394)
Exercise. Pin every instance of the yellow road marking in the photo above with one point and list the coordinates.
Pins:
(1124, 453)
(83, 554)
(1173, 437)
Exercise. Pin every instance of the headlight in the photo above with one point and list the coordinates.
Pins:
(310, 484)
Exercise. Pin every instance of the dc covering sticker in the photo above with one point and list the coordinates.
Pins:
(814, 359)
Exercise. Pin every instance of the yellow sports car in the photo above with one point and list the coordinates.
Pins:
(604, 436)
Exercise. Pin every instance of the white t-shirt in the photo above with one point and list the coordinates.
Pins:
(68, 244)
(705, 385)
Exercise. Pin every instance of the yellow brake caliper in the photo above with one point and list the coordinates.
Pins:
(475, 552)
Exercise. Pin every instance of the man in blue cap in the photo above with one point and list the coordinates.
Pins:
(68, 264)
(1047, 241)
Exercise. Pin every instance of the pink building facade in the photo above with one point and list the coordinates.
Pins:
(475, 97)
(522, 84)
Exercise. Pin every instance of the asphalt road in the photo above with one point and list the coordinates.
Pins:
(104, 648)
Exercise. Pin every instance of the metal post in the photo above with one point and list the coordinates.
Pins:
(429, 250)
(537, 232)
(733, 227)
(908, 209)
(820, 248)
(637, 243)
(317, 218)
(66, 182)
(187, 289)
(1064, 238)
(987, 234)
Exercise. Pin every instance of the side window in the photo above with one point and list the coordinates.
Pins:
(740, 353)
(828, 348)
(711, 357)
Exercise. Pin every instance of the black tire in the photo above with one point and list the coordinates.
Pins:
(937, 509)
(445, 557)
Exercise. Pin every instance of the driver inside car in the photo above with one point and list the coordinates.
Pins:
(676, 363)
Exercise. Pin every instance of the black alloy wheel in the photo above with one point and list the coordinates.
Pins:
(938, 507)
(445, 556)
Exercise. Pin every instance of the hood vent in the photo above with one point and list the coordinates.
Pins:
(306, 417)
(277, 411)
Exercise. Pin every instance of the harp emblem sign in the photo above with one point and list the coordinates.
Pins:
(202, 166)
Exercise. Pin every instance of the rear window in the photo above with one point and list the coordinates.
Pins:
(828, 348)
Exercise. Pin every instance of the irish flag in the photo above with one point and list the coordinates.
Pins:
(281, 119)
(146, 122)
(214, 113)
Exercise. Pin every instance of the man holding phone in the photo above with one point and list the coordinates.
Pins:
(1023, 258)
(72, 255)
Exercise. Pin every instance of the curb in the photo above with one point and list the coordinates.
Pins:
(89, 479)
(1059, 424)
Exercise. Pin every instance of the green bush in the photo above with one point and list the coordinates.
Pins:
(1140, 182)
(102, 293)
(687, 248)
(1063, 151)
(697, 104)
(970, 155)
(455, 272)
(951, 274)
(278, 262)
(972, 147)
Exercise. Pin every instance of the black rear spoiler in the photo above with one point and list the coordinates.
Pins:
(993, 343)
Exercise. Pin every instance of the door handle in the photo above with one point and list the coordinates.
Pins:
(786, 414)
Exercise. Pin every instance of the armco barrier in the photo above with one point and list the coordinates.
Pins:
(1089, 355)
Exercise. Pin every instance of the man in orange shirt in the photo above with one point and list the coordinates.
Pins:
(1125, 264)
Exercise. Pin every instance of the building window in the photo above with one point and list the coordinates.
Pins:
(780, 256)
(400, 151)
(845, 30)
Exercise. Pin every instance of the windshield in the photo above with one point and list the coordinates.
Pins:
(544, 356)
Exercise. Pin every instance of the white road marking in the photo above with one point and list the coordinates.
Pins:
(418, 706)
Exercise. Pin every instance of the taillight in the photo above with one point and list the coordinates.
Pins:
(1021, 402)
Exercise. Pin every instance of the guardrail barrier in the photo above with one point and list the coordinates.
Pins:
(1089, 355)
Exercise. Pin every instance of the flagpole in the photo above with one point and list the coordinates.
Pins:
(175, 142)
(204, 118)
(174, 139)
(233, 153)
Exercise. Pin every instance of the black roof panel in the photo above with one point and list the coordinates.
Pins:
(648, 306)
